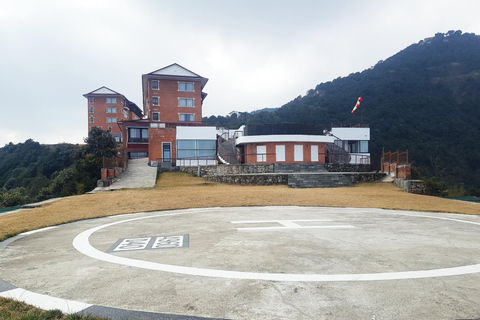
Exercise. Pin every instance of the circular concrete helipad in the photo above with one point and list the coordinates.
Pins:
(260, 262)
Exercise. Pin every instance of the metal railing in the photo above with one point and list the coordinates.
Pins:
(138, 140)
(322, 158)
(189, 162)
(119, 161)
(394, 157)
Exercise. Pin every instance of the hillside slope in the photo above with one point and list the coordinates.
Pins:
(424, 99)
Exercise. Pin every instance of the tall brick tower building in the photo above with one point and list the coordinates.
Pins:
(107, 107)
(173, 94)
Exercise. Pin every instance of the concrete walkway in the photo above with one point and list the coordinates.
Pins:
(138, 175)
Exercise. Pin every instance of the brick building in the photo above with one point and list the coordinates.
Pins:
(170, 130)
(107, 107)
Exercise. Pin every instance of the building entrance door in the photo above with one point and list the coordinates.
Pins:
(167, 154)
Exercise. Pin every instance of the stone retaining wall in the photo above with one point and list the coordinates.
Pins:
(250, 179)
(411, 186)
(347, 167)
(225, 169)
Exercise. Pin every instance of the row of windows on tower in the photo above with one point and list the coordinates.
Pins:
(182, 86)
(109, 100)
(109, 120)
(109, 110)
(182, 102)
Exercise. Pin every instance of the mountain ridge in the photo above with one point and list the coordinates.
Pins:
(424, 99)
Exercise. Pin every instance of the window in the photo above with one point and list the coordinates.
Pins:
(280, 153)
(314, 153)
(261, 153)
(112, 110)
(155, 85)
(137, 134)
(155, 101)
(91, 109)
(185, 86)
(137, 155)
(111, 100)
(196, 148)
(358, 146)
(111, 120)
(186, 117)
(184, 102)
(297, 153)
(90, 100)
(91, 120)
(109, 129)
(156, 116)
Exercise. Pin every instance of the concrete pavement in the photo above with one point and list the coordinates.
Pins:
(254, 263)
(137, 175)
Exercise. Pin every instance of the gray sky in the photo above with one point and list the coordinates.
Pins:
(257, 54)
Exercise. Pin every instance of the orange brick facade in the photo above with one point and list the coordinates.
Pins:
(271, 155)
(105, 115)
(157, 138)
(165, 101)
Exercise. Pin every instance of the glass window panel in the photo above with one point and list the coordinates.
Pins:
(206, 144)
(204, 153)
(186, 144)
(182, 153)
(363, 146)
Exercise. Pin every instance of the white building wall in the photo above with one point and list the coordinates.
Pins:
(352, 133)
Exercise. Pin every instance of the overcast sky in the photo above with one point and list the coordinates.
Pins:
(256, 54)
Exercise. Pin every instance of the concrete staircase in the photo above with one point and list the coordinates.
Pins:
(311, 175)
(318, 180)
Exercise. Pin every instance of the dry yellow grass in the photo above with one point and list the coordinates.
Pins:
(179, 190)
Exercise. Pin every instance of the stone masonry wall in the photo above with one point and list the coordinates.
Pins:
(275, 168)
(411, 186)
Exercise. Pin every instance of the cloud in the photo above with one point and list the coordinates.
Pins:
(255, 53)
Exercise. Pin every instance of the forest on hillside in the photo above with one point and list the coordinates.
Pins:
(31, 172)
(424, 99)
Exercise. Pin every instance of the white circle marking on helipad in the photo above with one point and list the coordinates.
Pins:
(82, 244)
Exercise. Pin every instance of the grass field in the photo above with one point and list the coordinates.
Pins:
(180, 190)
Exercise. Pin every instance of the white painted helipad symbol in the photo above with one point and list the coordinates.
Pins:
(289, 224)
(82, 244)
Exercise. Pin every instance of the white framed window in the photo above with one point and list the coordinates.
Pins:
(111, 120)
(314, 153)
(261, 153)
(109, 129)
(111, 100)
(92, 120)
(280, 153)
(90, 109)
(155, 101)
(91, 99)
(186, 117)
(185, 102)
(155, 85)
(298, 152)
(185, 86)
(112, 110)
(156, 116)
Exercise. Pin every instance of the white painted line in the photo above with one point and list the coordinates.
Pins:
(279, 221)
(82, 244)
(36, 231)
(45, 302)
(294, 227)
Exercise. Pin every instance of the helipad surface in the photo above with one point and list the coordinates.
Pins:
(258, 263)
